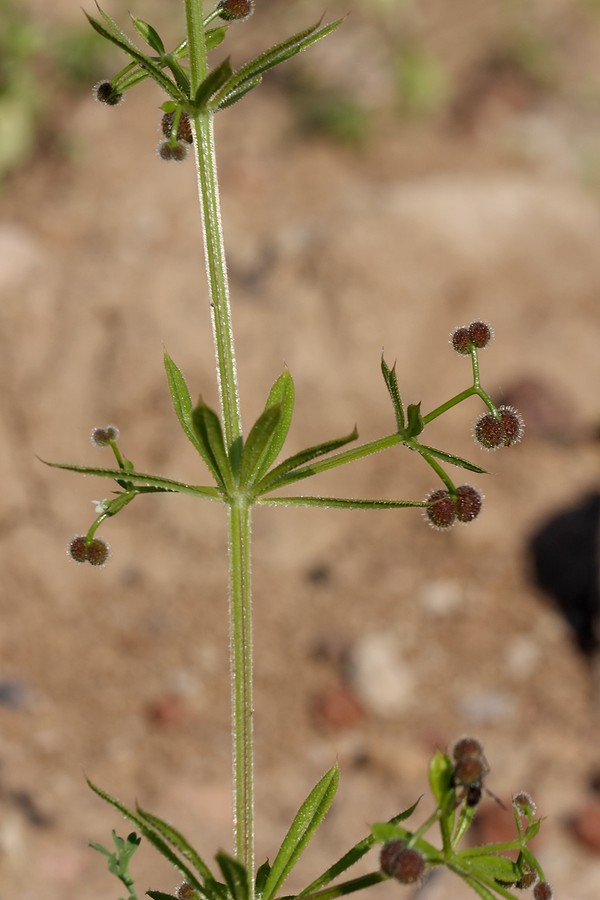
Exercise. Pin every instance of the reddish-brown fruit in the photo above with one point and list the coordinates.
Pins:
(543, 891)
(527, 879)
(102, 437)
(389, 854)
(467, 746)
(235, 9)
(513, 425)
(184, 129)
(77, 549)
(441, 513)
(489, 432)
(468, 503)
(461, 340)
(97, 552)
(481, 334)
(409, 866)
(176, 152)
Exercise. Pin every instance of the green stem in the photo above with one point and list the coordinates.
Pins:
(240, 599)
(239, 514)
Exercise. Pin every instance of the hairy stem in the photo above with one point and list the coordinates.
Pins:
(240, 598)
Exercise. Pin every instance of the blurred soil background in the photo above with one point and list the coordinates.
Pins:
(431, 163)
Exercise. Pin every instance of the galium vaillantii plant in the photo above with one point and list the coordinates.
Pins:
(250, 469)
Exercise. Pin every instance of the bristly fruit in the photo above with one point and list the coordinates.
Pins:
(101, 437)
(543, 891)
(468, 503)
(409, 866)
(77, 549)
(461, 340)
(235, 10)
(480, 334)
(441, 512)
(105, 92)
(184, 128)
(168, 151)
(513, 424)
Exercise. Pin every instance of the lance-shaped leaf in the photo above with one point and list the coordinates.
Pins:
(207, 428)
(235, 875)
(451, 458)
(414, 424)
(340, 502)
(182, 402)
(142, 482)
(307, 820)
(441, 775)
(212, 83)
(391, 382)
(240, 92)
(353, 855)
(256, 448)
(281, 395)
(278, 477)
(490, 865)
(178, 841)
(114, 34)
(261, 878)
(270, 58)
(153, 837)
(149, 34)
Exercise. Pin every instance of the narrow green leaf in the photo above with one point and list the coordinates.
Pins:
(424, 450)
(498, 868)
(282, 394)
(261, 878)
(339, 502)
(178, 841)
(149, 34)
(235, 875)
(256, 448)
(239, 92)
(353, 855)
(215, 36)
(272, 57)
(441, 772)
(532, 830)
(278, 477)
(414, 424)
(152, 836)
(182, 402)
(153, 70)
(211, 84)
(391, 382)
(207, 428)
(307, 820)
(140, 480)
(348, 887)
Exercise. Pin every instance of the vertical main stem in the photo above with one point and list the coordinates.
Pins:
(239, 522)
(240, 599)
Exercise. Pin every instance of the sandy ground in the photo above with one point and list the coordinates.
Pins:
(377, 639)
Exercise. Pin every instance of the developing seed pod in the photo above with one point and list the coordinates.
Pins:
(409, 866)
(102, 437)
(467, 746)
(468, 503)
(389, 854)
(513, 425)
(543, 891)
(238, 10)
(489, 432)
(105, 92)
(528, 878)
(166, 151)
(98, 552)
(77, 549)
(480, 334)
(441, 513)
(523, 803)
(461, 340)
(184, 129)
